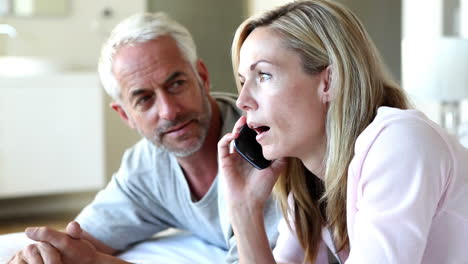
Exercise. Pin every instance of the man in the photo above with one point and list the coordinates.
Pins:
(160, 88)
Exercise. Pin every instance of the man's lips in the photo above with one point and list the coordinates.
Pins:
(178, 127)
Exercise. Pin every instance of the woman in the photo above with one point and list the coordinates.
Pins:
(390, 186)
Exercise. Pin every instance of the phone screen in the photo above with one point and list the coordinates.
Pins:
(248, 147)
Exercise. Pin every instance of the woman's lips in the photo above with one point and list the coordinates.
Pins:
(260, 129)
(261, 134)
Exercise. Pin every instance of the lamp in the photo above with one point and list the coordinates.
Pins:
(437, 68)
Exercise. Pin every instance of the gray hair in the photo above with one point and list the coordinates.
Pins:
(141, 28)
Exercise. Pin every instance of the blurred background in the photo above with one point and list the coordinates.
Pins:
(59, 140)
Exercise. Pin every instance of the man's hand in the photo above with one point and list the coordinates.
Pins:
(39, 253)
(55, 247)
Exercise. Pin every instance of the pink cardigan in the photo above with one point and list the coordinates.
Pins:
(407, 199)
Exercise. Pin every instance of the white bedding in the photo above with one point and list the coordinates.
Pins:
(11, 243)
(179, 248)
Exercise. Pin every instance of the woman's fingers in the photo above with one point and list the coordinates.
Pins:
(225, 141)
(239, 124)
(223, 145)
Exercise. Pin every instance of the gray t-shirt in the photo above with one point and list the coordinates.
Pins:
(149, 194)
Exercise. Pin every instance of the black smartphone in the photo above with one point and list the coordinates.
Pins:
(248, 147)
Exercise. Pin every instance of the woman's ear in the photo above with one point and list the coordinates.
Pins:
(325, 77)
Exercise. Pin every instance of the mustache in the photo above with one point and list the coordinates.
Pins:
(168, 125)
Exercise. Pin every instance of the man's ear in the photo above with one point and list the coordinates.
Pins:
(123, 115)
(325, 88)
(202, 71)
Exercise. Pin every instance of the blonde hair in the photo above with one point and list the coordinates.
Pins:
(326, 34)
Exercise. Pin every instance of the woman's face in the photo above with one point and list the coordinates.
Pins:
(286, 106)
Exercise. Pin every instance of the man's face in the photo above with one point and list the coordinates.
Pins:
(163, 97)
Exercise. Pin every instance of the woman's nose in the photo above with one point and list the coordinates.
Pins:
(245, 101)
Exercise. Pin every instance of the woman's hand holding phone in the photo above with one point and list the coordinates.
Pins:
(245, 186)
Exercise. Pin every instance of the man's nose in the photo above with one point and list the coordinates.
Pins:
(168, 107)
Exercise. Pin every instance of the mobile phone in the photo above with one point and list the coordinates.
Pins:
(248, 147)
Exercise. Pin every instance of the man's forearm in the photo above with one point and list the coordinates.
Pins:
(100, 246)
(109, 259)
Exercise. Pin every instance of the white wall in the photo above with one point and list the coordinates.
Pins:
(424, 20)
(75, 37)
(48, 142)
(258, 6)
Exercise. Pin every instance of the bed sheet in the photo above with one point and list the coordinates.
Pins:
(173, 248)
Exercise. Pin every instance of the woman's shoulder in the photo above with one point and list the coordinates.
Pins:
(406, 119)
(404, 139)
(398, 128)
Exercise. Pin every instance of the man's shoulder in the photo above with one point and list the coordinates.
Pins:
(227, 97)
(229, 111)
(226, 101)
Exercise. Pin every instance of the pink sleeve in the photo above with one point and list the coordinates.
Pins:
(288, 250)
(394, 187)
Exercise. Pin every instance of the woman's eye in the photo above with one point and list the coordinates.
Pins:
(263, 76)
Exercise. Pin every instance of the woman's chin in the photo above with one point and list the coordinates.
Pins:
(270, 155)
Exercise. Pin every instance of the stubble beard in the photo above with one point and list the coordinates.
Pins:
(202, 120)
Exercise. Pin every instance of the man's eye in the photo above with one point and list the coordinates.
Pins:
(142, 100)
(176, 85)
